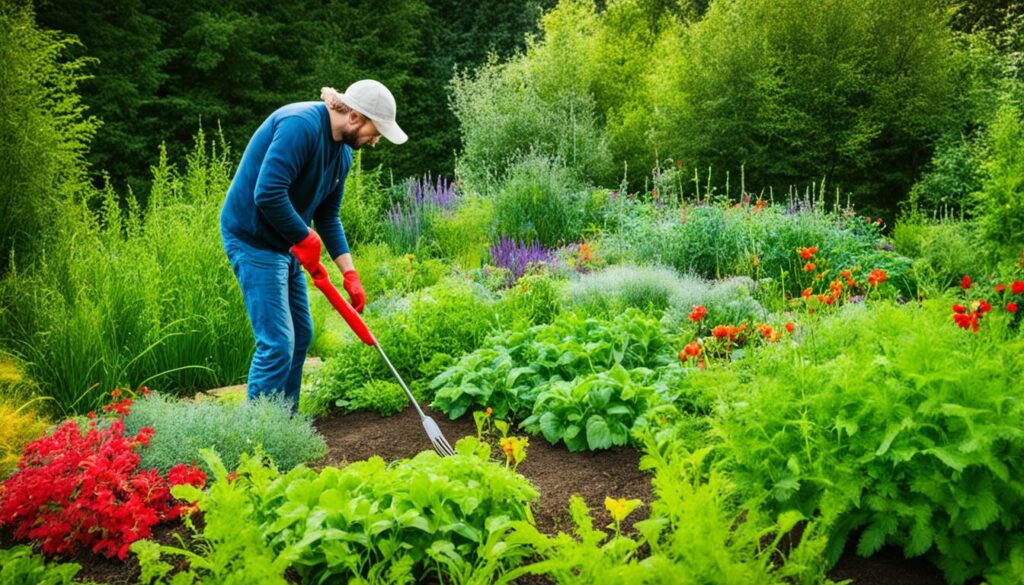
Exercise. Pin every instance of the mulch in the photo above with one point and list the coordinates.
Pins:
(555, 472)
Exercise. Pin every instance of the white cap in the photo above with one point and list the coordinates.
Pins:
(371, 99)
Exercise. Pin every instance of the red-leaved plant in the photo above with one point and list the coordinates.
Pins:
(75, 491)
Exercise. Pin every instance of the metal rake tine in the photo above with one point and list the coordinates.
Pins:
(442, 447)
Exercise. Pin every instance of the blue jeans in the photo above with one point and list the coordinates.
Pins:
(274, 289)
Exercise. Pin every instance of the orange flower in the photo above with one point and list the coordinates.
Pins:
(806, 253)
(719, 331)
(809, 267)
(692, 349)
(585, 253)
(877, 277)
(790, 326)
(806, 294)
(698, 313)
(489, 411)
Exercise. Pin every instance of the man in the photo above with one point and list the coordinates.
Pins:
(293, 172)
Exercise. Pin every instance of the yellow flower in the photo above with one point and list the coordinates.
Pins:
(621, 508)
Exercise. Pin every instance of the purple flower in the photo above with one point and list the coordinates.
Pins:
(409, 219)
(516, 257)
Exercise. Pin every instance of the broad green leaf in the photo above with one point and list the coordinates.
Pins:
(598, 434)
(552, 427)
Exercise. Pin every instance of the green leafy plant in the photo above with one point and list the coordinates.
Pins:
(20, 565)
(390, 522)
(697, 533)
(231, 546)
(595, 411)
(447, 319)
(383, 397)
(906, 432)
(515, 367)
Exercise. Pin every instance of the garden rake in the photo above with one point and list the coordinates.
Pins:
(322, 282)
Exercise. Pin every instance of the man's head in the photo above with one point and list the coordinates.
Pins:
(364, 113)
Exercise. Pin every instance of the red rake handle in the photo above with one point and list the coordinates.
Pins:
(323, 282)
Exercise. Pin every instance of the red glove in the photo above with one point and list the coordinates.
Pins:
(308, 252)
(355, 290)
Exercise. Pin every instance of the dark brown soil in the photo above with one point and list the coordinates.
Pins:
(555, 472)
(558, 474)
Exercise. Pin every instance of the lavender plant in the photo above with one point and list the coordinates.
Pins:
(516, 256)
(410, 221)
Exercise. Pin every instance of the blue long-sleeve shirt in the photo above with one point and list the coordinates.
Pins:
(292, 172)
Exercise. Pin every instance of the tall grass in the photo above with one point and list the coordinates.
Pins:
(125, 297)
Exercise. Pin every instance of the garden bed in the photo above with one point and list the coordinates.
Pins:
(556, 472)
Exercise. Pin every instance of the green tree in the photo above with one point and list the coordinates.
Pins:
(126, 70)
(44, 131)
(851, 91)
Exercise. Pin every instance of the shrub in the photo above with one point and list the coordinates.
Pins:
(533, 300)
(21, 425)
(463, 235)
(999, 204)
(409, 226)
(183, 428)
(906, 432)
(617, 288)
(75, 491)
(447, 319)
(726, 301)
(504, 116)
(540, 199)
(44, 134)
(942, 251)
(381, 396)
(364, 203)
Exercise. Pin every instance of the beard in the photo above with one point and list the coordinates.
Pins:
(350, 138)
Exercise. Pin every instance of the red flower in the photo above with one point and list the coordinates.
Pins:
(965, 282)
(960, 309)
(806, 253)
(692, 349)
(1000, 288)
(967, 321)
(83, 491)
(877, 277)
(719, 331)
(1011, 307)
(984, 307)
(1017, 287)
(698, 313)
